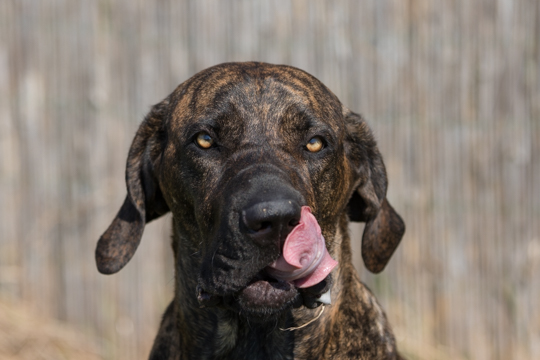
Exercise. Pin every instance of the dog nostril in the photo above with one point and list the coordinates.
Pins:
(271, 220)
(265, 225)
(262, 226)
(294, 222)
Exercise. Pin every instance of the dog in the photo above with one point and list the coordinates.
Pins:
(262, 168)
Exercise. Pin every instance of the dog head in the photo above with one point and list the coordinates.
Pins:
(251, 158)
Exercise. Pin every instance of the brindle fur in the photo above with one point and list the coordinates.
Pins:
(260, 114)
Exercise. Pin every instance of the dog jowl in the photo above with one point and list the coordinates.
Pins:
(262, 168)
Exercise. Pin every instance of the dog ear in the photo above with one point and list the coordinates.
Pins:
(384, 227)
(144, 201)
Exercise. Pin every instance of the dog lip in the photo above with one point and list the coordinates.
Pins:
(262, 295)
(206, 299)
(267, 294)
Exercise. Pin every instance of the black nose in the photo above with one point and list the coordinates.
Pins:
(270, 222)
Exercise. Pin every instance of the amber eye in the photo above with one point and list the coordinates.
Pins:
(315, 144)
(204, 140)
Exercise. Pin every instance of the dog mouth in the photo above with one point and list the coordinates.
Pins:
(263, 295)
(296, 277)
(266, 294)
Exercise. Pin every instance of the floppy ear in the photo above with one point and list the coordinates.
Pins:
(384, 227)
(144, 201)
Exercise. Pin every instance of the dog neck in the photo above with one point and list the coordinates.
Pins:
(226, 335)
(218, 333)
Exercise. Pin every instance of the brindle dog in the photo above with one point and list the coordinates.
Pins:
(230, 141)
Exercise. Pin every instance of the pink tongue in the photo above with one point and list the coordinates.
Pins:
(304, 260)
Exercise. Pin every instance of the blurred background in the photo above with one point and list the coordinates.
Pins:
(450, 88)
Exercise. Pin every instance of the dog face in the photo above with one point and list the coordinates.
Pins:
(236, 152)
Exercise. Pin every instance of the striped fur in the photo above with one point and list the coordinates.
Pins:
(260, 117)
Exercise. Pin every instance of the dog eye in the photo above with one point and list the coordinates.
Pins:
(315, 144)
(204, 140)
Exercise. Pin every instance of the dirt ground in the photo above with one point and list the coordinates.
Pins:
(25, 335)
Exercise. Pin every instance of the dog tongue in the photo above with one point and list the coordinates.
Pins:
(304, 259)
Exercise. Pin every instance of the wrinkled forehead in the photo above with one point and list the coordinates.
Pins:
(263, 93)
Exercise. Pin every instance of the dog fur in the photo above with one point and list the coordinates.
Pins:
(258, 118)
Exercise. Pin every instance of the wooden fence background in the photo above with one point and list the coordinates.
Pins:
(451, 89)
